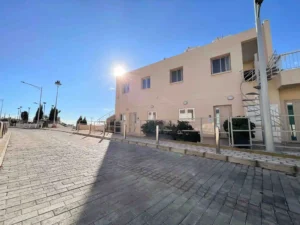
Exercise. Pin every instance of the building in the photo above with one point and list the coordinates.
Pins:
(214, 82)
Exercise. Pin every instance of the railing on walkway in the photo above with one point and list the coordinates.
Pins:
(244, 132)
(290, 60)
(3, 128)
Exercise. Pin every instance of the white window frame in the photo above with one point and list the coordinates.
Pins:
(125, 88)
(186, 118)
(173, 70)
(123, 117)
(152, 115)
(146, 78)
(227, 67)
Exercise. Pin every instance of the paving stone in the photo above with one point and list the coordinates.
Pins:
(57, 178)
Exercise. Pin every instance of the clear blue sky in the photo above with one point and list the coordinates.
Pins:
(79, 41)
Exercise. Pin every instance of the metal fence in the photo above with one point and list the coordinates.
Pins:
(246, 132)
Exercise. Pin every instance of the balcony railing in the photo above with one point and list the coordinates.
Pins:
(290, 60)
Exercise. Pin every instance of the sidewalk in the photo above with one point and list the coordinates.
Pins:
(3, 146)
(273, 161)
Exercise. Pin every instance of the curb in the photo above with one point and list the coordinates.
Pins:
(288, 169)
(3, 146)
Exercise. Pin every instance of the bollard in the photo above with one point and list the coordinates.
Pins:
(157, 134)
(90, 129)
(218, 140)
(124, 131)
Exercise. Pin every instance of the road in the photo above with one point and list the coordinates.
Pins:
(51, 177)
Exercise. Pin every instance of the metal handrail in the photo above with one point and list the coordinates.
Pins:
(288, 53)
(107, 114)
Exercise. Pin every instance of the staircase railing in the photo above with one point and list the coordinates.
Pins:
(106, 115)
(290, 60)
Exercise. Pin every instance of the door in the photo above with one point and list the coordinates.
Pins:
(293, 120)
(132, 122)
(222, 113)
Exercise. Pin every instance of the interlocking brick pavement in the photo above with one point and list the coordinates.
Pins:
(60, 178)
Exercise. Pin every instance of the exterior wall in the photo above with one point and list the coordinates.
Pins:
(199, 88)
(289, 77)
(289, 93)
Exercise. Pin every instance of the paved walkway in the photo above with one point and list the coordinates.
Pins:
(238, 154)
(59, 178)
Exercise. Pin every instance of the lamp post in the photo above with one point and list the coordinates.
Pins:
(18, 113)
(57, 83)
(41, 91)
(1, 107)
(265, 104)
(44, 107)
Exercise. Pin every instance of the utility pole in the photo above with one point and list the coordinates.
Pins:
(265, 104)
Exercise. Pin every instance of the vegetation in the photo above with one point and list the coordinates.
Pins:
(84, 121)
(150, 126)
(24, 116)
(182, 131)
(37, 113)
(242, 137)
(52, 112)
(79, 120)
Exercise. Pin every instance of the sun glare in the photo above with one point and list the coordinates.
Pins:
(119, 71)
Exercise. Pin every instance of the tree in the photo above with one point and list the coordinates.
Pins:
(24, 116)
(84, 121)
(37, 113)
(51, 114)
(79, 120)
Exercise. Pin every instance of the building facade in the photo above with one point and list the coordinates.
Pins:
(216, 81)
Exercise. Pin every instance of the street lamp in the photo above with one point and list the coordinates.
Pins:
(19, 112)
(41, 90)
(57, 83)
(265, 104)
(44, 107)
(1, 107)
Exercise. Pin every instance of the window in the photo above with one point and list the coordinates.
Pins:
(176, 75)
(123, 117)
(220, 65)
(125, 88)
(146, 83)
(186, 114)
(151, 115)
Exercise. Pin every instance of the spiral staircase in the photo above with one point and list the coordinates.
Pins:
(251, 100)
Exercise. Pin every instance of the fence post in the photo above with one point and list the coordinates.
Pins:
(250, 136)
(90, 129)
(218, 140)
(201, 132)
(124, 131)
(157, 134)
(231, 131)
(229, 141)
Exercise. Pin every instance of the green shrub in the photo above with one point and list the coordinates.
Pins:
(150, 126)
(181, 132)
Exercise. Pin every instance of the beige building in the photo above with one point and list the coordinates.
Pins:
(214, 81)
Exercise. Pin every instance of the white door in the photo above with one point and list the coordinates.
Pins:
(152, 115)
